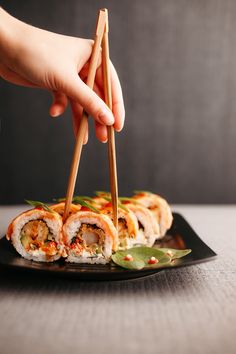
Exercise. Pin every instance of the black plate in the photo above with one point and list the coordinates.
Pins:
(180, 236)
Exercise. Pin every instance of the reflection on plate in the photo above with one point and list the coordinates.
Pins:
(180, 236)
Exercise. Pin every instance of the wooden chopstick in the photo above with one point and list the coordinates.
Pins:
(110, 129)
(82, 128)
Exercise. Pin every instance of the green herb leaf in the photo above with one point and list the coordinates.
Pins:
(107, 198)
(84, 197)
(174, 254)
(136, 264)
(141, 257)
(119, 204)
(85, 204)
(36, 204)
(126, 199)
(122, 206)
(74, 198)
(102, 193)
(82, 200)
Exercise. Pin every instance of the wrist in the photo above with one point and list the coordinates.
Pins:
(10, 36)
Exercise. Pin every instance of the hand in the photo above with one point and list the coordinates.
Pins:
(33, 57)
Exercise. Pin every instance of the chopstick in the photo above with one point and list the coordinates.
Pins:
(82, 128)
(110, 129)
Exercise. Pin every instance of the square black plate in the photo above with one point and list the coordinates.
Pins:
(180, 236)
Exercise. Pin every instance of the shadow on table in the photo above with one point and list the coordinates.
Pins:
(166, 282)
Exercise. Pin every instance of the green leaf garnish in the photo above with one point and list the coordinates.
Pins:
(141, 257)
(127, 199)
(107, 199)
(84, 197)
(82, 202)
(123, 207)
(119, 204)
(36, 204)
(174, 254)
(102, 193)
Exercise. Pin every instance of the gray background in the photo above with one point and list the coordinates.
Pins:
(177, 65)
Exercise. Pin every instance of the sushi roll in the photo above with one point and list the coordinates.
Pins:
(59, 208)
(128, 230)
(89, 238)
(37, 235)
(159, 207)
(148, 226)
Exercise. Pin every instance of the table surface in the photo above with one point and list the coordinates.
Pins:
(185, 310)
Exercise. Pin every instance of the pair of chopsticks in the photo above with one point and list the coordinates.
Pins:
(101, 39)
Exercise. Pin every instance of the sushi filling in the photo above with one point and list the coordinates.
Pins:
(123, 233)
(140, 226)
(36, 235)
(89, 238)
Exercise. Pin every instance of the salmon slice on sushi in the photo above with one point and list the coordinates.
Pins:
(159, 207)
(89, 237)
(37, 235)
(60, 207)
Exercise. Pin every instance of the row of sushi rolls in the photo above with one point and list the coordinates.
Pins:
(88, 235)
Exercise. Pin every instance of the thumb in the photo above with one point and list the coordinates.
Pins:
(90, 101)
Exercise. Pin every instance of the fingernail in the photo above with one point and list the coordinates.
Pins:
(104, 141)
(55, 113)
(106, 117)
(119, 130)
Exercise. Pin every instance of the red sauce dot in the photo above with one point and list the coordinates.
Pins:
(73, 246)
(153, 260)
(83, 208)
(128, 257)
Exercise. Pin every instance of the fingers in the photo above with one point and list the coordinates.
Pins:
(100, 129)
(101, 132)
(117, 97)
(88, 99)
(59, 104)
(117, 100)
(77, 111)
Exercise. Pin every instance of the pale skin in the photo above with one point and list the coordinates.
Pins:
(36, 58)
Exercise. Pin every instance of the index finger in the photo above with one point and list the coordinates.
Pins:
(117, 100)
(117, 96)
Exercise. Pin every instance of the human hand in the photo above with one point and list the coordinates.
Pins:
(37, 58)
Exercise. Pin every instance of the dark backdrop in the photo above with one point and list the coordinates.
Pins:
(177, 65)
